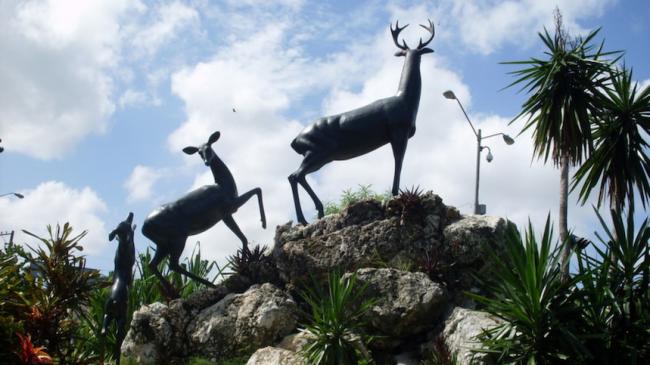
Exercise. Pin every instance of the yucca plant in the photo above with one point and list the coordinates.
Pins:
(335, 322)
(525, 290)
(614, 293)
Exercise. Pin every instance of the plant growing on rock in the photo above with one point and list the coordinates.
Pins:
(349, 197)
(408, 205)
(255, 266)
(335, 322)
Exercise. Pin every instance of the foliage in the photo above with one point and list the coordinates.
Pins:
(232, 361)
(614, 293)
(30, 354)
(255, 266)
(13, 309)
(408, 205)
(349, 197)
(59, 289)
(563, 89)
(336, 322)
(620, 163)
(526, 292)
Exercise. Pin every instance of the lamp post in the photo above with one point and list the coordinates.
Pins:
(478, 208)
(17, 195)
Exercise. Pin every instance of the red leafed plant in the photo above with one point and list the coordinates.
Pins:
(30, 354)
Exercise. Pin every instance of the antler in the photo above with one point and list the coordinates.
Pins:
(395, 32)
(431, 30)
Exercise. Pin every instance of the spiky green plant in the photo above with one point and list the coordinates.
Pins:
(562, 88)
(335, 322)
(525, 290)
(614, 293)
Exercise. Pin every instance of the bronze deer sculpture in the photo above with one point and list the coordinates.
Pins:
(170, 225)
(116, 304)
(359, 131)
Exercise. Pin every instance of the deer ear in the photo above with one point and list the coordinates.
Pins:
(130, 218)
(111, 236)
(400, 53)
(190, 150)
(425, 50)
(214, 137)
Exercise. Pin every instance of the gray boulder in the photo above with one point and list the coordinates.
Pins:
(211, 323)
(366, 234)
(275, 356)
(241, 323)
(407, 303)
(460, 330)
(467, 243)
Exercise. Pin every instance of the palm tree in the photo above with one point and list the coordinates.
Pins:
(619, 163)
(562, 91)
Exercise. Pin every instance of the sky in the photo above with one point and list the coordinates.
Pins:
(98, 99)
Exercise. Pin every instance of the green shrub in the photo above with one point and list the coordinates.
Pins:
(349, 197)
(335, 322)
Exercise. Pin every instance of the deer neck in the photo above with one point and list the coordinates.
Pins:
(410, 83)
(222, 175)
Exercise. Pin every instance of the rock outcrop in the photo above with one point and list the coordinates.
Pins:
(415, 256)
(234, 324)
(407, 303)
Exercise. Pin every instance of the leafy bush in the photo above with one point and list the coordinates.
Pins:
(335, 322)
(349, 197)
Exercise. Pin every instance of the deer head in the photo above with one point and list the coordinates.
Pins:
(124, 230)
(422, 46)
(205, 150)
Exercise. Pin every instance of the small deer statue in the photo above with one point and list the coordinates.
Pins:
(170, 225)
(359, 131)
(116, 304)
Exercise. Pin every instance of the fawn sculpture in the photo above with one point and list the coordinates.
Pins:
(116, 304)
(170, 225)
(359, 131)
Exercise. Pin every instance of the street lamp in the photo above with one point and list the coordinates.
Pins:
(478, 208)
(17, 195)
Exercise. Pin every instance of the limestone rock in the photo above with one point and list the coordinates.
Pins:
(241, 323)
(460, 331)
(295, 341)
(275, 356)
(366, 234)
(467, 242)
(407, 303)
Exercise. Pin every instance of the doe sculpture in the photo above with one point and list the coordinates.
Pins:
(115, 308)
(169, 225)
(359, 131)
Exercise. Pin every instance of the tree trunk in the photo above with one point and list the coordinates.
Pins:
(564, 231)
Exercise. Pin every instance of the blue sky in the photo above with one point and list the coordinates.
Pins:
(97, 99)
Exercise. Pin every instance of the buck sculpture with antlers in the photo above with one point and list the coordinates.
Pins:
(359, 131)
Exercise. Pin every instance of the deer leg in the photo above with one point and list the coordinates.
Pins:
(108, 317)
(153, 265)
(242, 199)
(319, 205)
(232, 225)
(121, 333)
(309, 164)
(174, 257)
(398, 143)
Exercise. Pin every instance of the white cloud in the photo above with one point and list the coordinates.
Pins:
(170, 19)
(54, 202)
(140, 183)
(55, 85)
(643, 84)
(485, 26)
(131, 97)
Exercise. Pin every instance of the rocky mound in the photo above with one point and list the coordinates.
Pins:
(415, 255)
